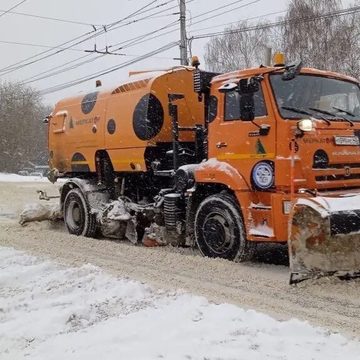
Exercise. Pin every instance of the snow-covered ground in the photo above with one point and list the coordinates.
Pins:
(6, 177)
(48, 311)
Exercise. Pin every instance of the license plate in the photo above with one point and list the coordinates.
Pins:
(347, 140)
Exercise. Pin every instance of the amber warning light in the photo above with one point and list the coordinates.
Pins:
(279, 59)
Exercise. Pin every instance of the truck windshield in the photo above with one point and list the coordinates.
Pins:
(321, 96)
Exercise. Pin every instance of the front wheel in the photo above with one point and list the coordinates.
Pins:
(77, 215)
(219, 229)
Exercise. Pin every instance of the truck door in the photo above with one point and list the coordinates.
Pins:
(240, 143)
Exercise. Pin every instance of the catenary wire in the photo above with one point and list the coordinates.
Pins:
(88, 55)
(12, 8)
(35, 45)
(39, 77)
(332, 14)
(89, 35)
(348, 11)
(133, 42)
(108, 70)
(50, 18)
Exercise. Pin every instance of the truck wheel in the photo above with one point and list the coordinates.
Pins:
(77, 216)
(219, 229)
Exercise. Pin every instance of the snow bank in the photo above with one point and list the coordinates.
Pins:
(50, 312)
(5, 177)
(40, 212)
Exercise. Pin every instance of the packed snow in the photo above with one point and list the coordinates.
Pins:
(346, 202)
(7, 177)
(49, 311)
(262, 230)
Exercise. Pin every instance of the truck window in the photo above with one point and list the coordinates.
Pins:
(232, 105)
(212, 108)
(326, 94)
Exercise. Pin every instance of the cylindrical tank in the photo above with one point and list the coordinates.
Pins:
(122, 121)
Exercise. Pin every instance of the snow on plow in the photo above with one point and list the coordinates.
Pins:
(324, 237)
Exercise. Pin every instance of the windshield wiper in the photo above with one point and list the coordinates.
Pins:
(304, 112)
(296, 110)
(331, 114)
(344, 111)
(328, 122)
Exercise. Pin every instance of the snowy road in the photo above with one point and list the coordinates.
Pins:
(54, 312)
(330, 303)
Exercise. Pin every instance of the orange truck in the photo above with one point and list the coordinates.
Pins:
(217, 161)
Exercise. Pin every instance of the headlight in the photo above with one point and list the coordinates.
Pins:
(263, 175)
(305, 125)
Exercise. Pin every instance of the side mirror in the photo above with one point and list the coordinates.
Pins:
(247, 88)
(291, 71)
(247, 107)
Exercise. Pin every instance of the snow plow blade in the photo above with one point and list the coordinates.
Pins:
(324, 237)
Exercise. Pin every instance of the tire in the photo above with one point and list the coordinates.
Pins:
(220, 231)
(77, 216)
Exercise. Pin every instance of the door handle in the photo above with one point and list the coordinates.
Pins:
(221, 144)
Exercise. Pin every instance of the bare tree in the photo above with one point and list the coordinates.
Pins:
(308, 35)
(311, 31)
(23, 136)
(236, 50)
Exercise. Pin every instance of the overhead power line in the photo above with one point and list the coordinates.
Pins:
(108, 70)
(247, 19)
(36, 45)
(348, 11)
(49, 18)
(332, 14)
(224, 12)
(79, 39)
(140, 41)
(124, 44)
(12, 8)
(63, 47)
(104, 72)
(50, 73)
(223, 6)
(46, 54)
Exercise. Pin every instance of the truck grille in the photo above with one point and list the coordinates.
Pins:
(338, 176)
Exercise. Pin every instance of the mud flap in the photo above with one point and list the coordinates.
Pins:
(324, 237)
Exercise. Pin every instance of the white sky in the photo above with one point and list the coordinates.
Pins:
(18, 28)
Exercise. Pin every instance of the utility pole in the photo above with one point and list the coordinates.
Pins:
(183, 40)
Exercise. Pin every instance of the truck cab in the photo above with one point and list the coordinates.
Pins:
(285, 138)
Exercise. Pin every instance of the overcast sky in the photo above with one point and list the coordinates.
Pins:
(37, 31)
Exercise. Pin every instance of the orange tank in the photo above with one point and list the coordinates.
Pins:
(124, 120)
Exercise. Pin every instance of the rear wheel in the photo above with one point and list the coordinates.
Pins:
(219, 229)
(77, 216)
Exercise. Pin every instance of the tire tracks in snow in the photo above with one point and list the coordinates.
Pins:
(327, 302)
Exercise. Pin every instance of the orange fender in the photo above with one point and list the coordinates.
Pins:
(220, 172)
